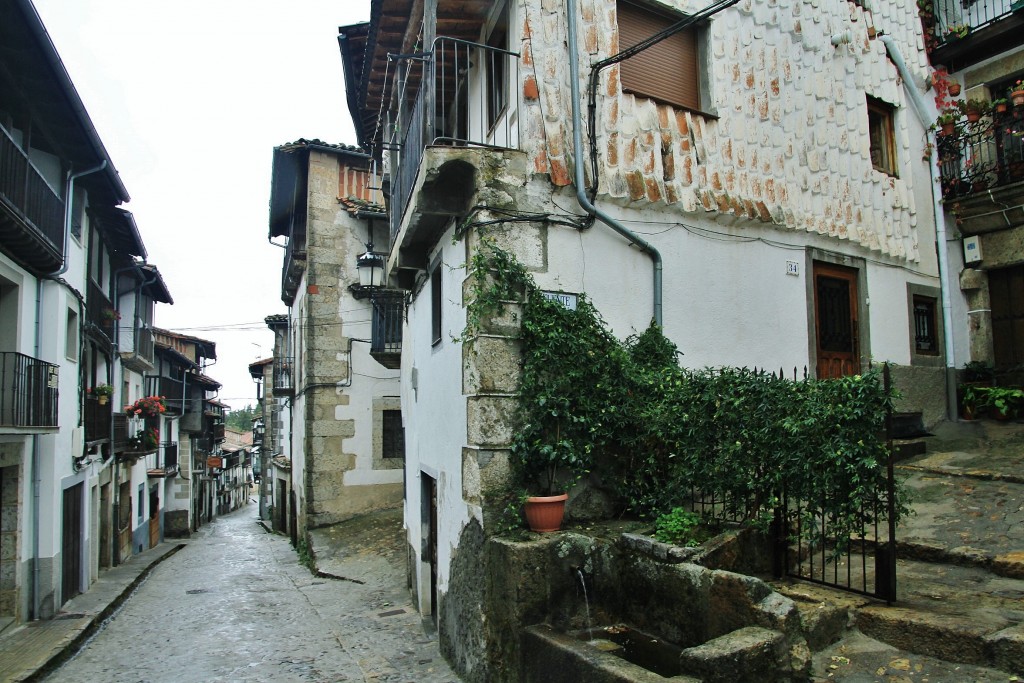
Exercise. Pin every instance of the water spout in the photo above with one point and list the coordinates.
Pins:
(586, 601)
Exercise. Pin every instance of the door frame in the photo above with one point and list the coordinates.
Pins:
(815, 257)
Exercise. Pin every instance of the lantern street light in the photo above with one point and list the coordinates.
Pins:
(370, 266)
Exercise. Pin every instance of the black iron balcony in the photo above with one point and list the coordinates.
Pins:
(975, 156)
(31, 213)
(28, 391)
(98, 419)
(962, 32)
(386, 331)
(463, 101)
(284, 378)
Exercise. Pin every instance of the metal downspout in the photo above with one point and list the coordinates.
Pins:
(926, 117)
(37, 352)
(69, 198)
(581, 194)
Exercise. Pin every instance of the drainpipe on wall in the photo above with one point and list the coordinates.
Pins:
(37, 352)
(925, 116)
(581, 193)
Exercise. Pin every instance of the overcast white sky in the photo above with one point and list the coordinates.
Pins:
(190, 98)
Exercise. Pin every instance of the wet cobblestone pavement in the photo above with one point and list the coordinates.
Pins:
(236, 605)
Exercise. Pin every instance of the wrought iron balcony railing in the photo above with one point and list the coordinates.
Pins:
(975, 156)
(28, 391)
(463, 100)
(284, 377)
(386, 330)
(954, 20)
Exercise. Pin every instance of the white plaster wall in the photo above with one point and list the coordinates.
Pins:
(435, 410)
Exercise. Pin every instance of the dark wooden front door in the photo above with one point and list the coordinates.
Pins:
(1006, 295)
(71, 543)
(429, 506)
(835, 321)
(154, 518)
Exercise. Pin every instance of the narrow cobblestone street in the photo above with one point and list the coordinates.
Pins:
(236, 605)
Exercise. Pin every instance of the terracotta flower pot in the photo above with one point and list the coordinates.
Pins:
(1018, 97)
(954, 89)
(544, 513)
(103, 399)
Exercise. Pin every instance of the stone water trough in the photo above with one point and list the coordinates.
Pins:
(580, 608)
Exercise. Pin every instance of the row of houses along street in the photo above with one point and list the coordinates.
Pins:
(111, 436)
(766, 182)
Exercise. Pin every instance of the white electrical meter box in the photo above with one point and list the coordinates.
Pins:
(972, 249)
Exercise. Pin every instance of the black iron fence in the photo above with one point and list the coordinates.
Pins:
(813, 541)
(465, 98)
(28, 391)
(982, 152)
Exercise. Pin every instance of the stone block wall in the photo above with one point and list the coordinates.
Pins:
(783, 140)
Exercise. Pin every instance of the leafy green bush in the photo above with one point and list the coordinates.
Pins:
(657, 434)
(681, 527)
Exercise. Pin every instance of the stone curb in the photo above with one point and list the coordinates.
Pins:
(984, 475)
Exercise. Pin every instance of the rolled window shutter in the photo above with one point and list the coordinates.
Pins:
(668, 71)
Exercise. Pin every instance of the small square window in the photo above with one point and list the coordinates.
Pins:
(882, 136)
(926, 341)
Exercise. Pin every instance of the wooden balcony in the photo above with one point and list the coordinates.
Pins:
(31, 213)
(167, 462)
(98, 420)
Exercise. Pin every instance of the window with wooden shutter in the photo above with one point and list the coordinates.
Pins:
(669, 70)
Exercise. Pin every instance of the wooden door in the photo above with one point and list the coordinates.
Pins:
(106, 523)
(71, 543)
(836, 321)
(154, 518)
(429, 492)
(1006, 296)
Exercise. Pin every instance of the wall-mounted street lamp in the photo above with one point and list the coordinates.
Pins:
(370, 266)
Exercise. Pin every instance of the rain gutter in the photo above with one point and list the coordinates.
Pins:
(925, 116)
(581, 193)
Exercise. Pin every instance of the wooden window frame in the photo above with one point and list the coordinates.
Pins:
(881, 114)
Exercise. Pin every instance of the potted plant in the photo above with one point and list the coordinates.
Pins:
(947, 121)
(1001, 104)
(1016, 92)
(1003, 401)
(974, 109)
(149, 406)
(103, 392)
(957, 32)
(969, 402)
(549, 470)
